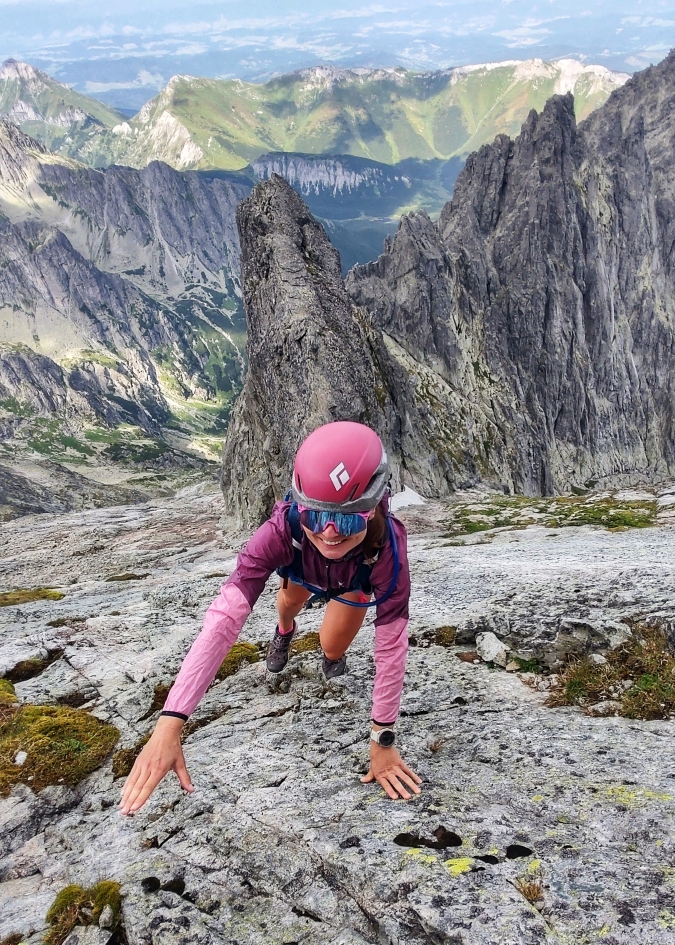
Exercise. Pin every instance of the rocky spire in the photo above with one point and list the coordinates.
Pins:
(311, 357)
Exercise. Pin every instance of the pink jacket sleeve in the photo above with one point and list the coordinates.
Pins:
(222, 625)
(391, 630)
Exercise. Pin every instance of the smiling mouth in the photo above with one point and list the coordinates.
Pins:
(334, 541)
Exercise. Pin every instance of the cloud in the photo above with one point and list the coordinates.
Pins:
(144, 80)
(523, 36)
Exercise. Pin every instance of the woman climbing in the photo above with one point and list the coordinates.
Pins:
(335, 540)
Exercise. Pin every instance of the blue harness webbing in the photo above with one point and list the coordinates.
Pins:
(361, 582)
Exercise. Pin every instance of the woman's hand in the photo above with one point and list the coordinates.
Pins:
(391, 772)
(163, 753)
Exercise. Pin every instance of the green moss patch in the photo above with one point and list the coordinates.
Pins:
(77, 906)
(63, 745)
(563, 511)
(239, 655)
(639, 675)
(7, 696)
(306, 643)
(123, 760)
(445, 636)
(24, 595)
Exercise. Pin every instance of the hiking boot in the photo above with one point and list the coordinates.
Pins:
(333, 668)
(277, 655)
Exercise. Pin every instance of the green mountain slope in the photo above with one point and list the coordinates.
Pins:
(54, 114)
(385, 115)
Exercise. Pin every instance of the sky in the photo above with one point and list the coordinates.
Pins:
(123, 52)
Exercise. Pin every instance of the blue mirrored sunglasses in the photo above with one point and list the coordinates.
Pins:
(345, 525)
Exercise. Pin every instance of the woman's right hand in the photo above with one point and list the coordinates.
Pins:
(163, 753)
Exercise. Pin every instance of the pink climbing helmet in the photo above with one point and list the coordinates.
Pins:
(341, 466)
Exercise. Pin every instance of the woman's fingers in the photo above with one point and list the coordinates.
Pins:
(396, 784)
(383, 781)
(181, 770)
(368, 778)
(142, 791)
(409, 771)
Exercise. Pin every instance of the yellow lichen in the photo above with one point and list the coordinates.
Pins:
(636, 796)
(62, 745)
(417, 854)
(459, 865)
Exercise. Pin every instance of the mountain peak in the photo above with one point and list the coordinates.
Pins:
(13, 69)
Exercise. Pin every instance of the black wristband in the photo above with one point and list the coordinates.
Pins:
(384, 724)
(175, 715)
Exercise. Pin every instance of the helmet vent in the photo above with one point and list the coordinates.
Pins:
(353, 492)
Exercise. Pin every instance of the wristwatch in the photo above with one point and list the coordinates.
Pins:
(385, 737)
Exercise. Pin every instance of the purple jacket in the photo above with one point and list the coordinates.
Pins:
(269, 548)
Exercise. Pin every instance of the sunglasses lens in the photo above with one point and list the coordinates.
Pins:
(345, 525)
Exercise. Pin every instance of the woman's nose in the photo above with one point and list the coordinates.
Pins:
(330, 532)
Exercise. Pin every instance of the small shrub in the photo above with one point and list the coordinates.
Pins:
(63, 745)
(14, 939)
(528, 666)
(240, 654)
(645, 660)
(77, 906)
(26, 595)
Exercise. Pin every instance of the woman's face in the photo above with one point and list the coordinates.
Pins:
(332, 544)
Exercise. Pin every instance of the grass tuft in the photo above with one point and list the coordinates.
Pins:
(75, 905)
(23, 595)
(645, 661)
(528, 666)
(63, 745)
(531, 888)
(240, 654)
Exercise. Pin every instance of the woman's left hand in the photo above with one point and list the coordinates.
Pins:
(391, 773)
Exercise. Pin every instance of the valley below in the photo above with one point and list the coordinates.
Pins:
(280, 842)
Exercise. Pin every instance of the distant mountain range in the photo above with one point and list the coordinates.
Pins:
(384, 115)
(362, 146)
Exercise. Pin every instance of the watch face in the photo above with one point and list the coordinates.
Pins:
(387, 738)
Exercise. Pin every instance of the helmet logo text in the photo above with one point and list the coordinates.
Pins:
(339, 476)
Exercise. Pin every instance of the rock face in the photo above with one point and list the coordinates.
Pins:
(315, 357)
(281, 842)
(119, 301)
(544, 296)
